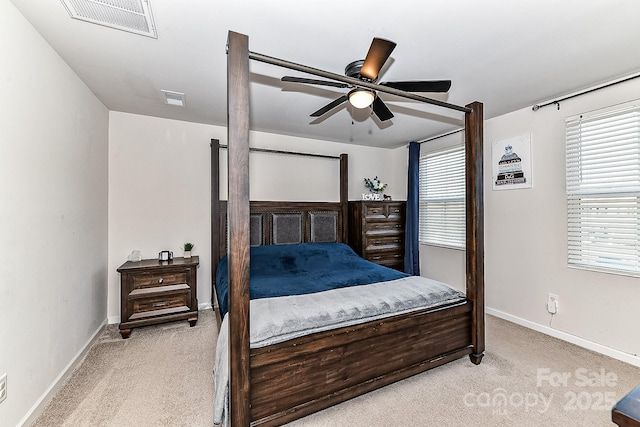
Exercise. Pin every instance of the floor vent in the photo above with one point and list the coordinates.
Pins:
(133, 16)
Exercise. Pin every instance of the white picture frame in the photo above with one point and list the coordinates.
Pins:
(511, 163)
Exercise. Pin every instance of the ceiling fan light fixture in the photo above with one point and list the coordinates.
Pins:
(361, 98)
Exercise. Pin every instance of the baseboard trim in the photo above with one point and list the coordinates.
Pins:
(573, 339)
(204, 306)
(46, 397)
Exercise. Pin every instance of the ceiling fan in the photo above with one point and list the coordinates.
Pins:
(367, 70)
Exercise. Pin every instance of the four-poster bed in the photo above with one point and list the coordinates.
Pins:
(277, 383)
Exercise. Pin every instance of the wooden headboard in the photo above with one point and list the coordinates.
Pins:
(276, 223)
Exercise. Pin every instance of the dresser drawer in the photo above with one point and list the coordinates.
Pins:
(149, 280)
(385, 227)
(395, 243)
(391, 259)
(395, 211)
(375, 211)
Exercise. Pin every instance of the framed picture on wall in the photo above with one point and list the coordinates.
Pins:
(511, 163)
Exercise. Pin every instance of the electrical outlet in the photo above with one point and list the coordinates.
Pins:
(552, 303)
(3, 387)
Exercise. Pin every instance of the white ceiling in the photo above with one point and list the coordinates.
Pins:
(506, 54)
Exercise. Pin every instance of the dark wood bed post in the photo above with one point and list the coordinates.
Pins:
(344, 193)
(238, 219)
(215, 216)
(475, 226)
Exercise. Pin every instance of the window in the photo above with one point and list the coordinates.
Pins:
(442, 198)
(603, 191)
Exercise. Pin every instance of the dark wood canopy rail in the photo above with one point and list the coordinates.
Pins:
(335, 365)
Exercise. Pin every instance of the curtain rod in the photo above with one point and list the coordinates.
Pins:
(294, 153)
(557, 102)
(440, 136)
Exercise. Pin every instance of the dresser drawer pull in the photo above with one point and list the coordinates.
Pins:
(376, 242)
(397, 256)
(398, 226)
(161, 280)
(396, 241)
(161, 304)
(376, 257)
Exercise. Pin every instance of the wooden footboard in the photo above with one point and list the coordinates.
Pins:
(301, 376)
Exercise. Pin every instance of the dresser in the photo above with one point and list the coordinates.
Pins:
(376, 231)
(153, 291)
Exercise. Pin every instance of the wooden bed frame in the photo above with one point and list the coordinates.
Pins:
(279, 383)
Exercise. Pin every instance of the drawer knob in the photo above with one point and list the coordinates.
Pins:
(376, 242)
(161, 304)
(397, 256)
(376, 257)
(161, 280)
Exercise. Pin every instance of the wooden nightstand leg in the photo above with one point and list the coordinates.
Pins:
(125, 333)
(192, 322)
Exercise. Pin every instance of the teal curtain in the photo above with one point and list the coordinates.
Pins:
(411, 245)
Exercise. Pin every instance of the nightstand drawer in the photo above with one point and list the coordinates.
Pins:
(155, 301)
(158, 279)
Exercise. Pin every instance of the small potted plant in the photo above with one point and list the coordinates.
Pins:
(187, 249)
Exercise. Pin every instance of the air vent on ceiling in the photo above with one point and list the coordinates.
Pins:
(174, 98)
(133, 16)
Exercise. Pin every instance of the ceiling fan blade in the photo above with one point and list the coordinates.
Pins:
(313, 81)
(378, 54)
(420, 86)
(329, 106)
(381, 110)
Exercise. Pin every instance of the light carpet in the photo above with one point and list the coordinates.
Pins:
(161, 376)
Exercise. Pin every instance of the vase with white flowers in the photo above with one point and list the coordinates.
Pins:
(374, 185)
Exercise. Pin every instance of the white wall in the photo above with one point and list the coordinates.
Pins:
(159, 185)
(53, 215)
(526, 236)
(526, 241)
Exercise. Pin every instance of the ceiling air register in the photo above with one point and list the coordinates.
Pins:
(133, 16)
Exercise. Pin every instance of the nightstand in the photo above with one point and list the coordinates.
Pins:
(153, 292)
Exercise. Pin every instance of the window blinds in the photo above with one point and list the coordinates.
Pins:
(603, 191)
(442, 198)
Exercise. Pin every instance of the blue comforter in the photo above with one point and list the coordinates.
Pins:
(280, 270)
